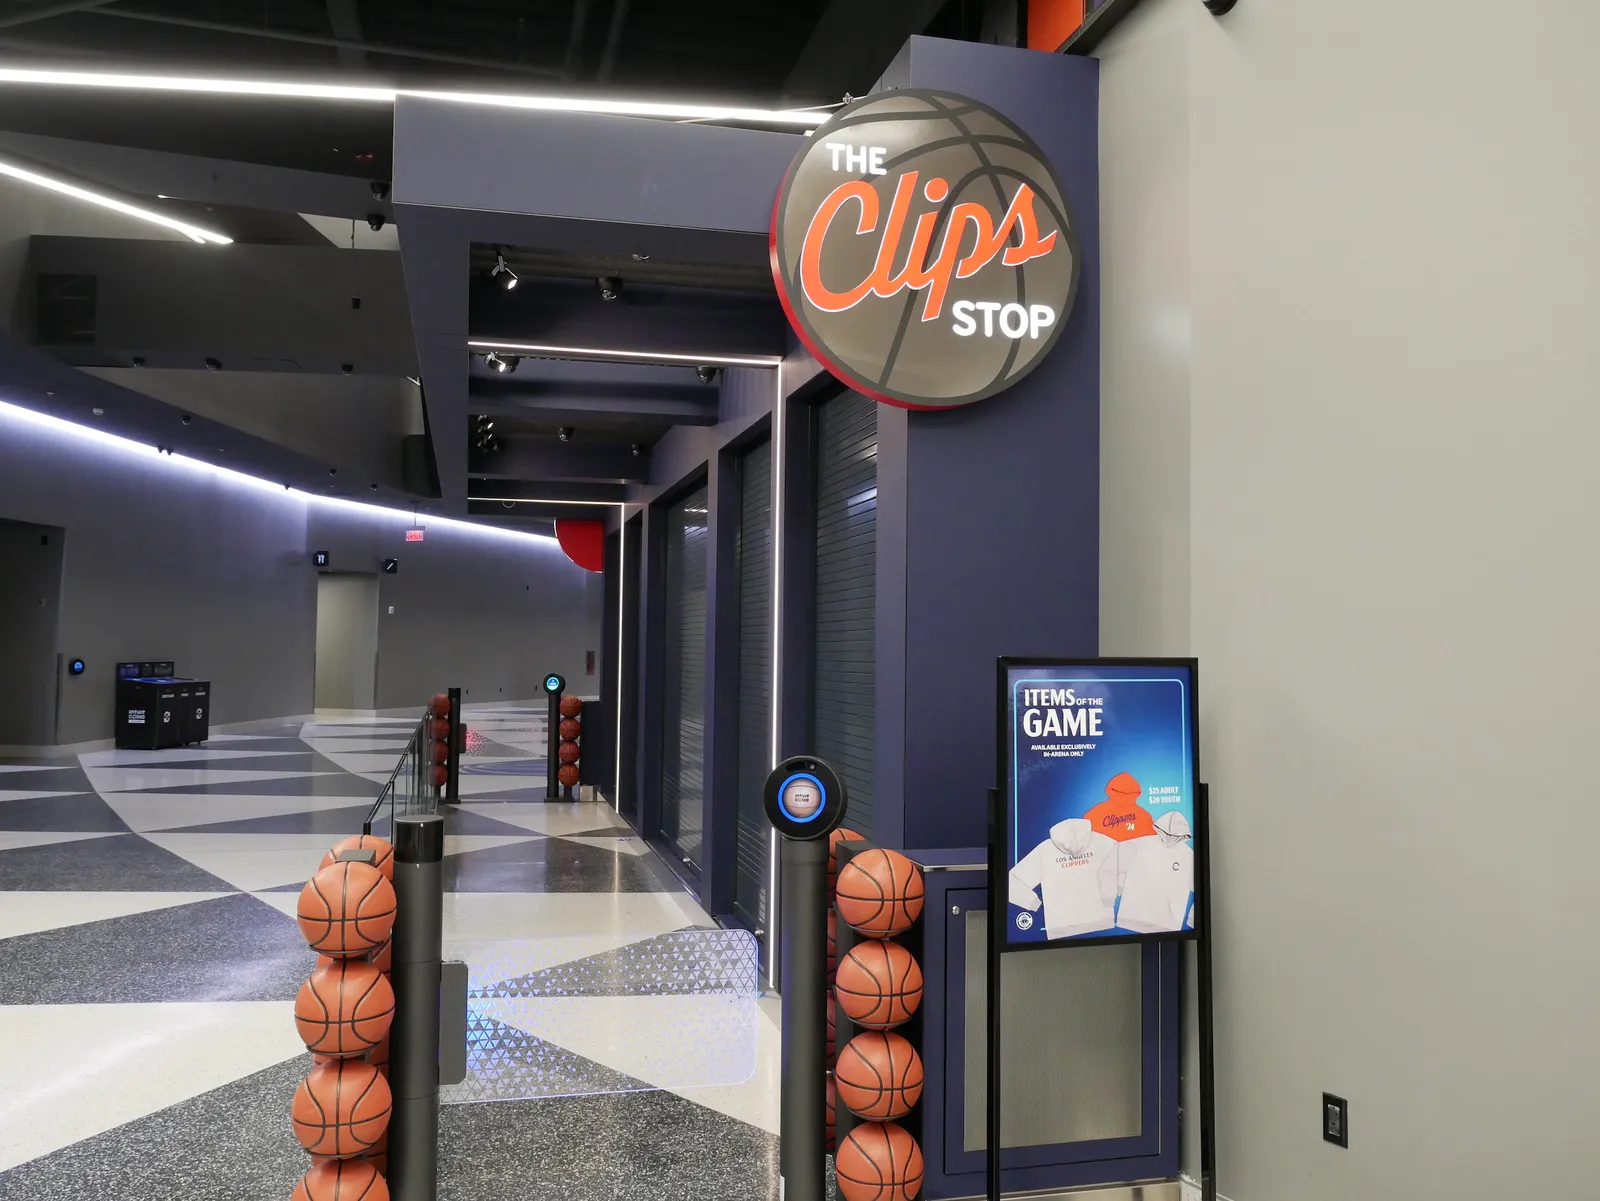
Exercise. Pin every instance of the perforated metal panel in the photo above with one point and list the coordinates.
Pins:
(754, 552)
(1070, 1046)
(683, 736)
(844, 683)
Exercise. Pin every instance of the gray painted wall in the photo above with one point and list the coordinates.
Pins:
(1349, 346)
(166, 560)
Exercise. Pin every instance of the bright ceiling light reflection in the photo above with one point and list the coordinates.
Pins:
(801, 118)
(145, 453)
(631, 356)
(193, 232)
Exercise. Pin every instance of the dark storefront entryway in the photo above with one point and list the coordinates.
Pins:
(754, 556)
(683, 728)
(843, 693)
(30, 615)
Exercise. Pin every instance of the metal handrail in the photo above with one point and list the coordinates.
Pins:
(410, 757)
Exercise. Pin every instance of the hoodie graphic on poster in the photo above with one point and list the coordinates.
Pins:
(1120, 815)
(1157, 878)
(1076, 869)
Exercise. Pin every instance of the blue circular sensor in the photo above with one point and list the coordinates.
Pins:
(802, 798)
(552, 683)
(76, 667)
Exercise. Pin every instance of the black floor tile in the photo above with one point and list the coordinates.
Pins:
(234, 948)
(231, 1144)
(629, 1146)
(53, 775)
(82, 814)
(121, 863)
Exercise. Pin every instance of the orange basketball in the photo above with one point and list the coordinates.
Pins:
(571, 706)
(829, 1102)
(341, 1109)
(879, 984)
(439, 706)
(833, 946)
(568, 752)
(568, 775)
(344, 1008)
(341, 1180)
(346, 909)
(879, 1075)
(880, 893)
(441, 752)
(830, 1029)
(441, 775)
(382, 852)
(879, 1161)
(378, 1057)
(378, 1157)
(834, 839)
(571, 729)
(383, 957)
(441, 729)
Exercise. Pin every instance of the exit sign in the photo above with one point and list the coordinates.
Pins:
(414, 535)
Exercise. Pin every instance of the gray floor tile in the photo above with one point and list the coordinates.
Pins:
(121, 863)
(83, 814)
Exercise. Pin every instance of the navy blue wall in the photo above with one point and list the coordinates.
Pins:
(998, 503)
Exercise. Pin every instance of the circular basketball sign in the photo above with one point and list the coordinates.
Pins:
(923, 250)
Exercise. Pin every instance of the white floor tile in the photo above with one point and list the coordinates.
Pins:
(177, 754)
(251, 862)
(485, 915)
(12, 840)
(22, 794)
(28, 912)
(621, 846)
(5, 767)
(671, 1042)
(72, 1071)
(136, 779)
(558, 818)
(163, 811)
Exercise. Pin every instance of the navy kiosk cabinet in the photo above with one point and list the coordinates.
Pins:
(158, 709)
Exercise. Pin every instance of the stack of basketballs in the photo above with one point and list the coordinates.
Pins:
(571, 730)
(340, 1112)
(877, 984)
(439, 723)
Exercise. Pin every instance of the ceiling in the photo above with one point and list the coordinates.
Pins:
(311, 287)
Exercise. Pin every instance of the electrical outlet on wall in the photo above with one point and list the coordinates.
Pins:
(1335, 1120)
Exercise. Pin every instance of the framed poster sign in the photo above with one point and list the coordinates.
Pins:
(1097, 819)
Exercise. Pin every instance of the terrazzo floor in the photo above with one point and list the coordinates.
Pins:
(620, 1048)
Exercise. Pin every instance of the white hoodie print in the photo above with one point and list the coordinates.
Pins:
(1076, 869)
(1158, 877)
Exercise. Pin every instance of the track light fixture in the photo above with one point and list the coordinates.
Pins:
(705, 374)
(610, 287)
(502, 274)
(636, 449)
(504, 364)
(213, 364)
(484, 437)
(564, 433)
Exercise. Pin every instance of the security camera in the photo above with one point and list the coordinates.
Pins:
(564, 433)
(380, 190)
(610, 287)
(213, 364)
(347, 368)
(374, 221)
(138, 360)
(187, 419)
(333, 471)
(705, 374)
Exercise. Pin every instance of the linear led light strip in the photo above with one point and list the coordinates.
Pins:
(529, 500)
(777, 661)
(317, 91)
(632, 356)
(145, 453)
(194, 232)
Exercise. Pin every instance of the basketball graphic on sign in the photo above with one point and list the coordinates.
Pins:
(802, 798)
(923, 249)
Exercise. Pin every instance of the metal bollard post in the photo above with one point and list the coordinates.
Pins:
(414, 1037)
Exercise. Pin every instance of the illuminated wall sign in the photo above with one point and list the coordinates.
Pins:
(415, 535)
(319, 558)
(923, 250)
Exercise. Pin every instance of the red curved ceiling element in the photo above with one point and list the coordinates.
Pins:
(584, 542)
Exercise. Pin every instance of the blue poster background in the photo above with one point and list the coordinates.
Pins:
(1146, 727)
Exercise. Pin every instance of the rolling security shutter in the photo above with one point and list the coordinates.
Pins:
(755, 683)
(844, 684)
(683, 738)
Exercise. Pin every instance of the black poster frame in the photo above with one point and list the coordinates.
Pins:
(999, 912)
